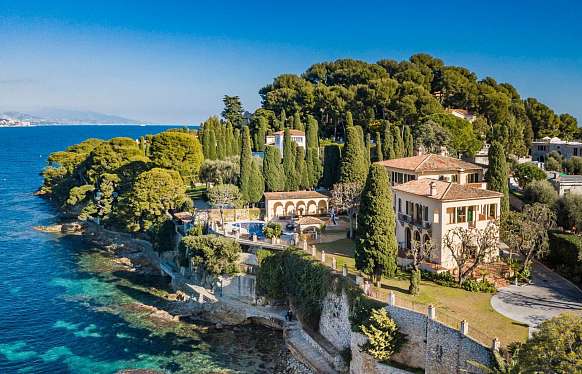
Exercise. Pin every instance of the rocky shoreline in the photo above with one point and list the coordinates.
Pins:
(133, 255)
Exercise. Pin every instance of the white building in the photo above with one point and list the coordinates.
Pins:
(462, 114)
(427, 209)
(276, 139)
(283, 204)
(433, 166)
(566, 184)
(540, 149)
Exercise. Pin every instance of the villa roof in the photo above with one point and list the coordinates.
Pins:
(291, 195)
(429, 163)
(460, 111)
(445, 191)
(309, 221)
(183, 216)
(291, 132)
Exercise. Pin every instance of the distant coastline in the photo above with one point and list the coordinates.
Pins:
(98, 124)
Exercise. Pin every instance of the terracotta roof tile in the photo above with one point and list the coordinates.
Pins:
(446, 191)
(291, 132)
(429, 163)
(294, 195)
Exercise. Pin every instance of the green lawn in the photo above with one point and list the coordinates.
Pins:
(472, 306)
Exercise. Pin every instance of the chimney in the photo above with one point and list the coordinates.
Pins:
(433, 189)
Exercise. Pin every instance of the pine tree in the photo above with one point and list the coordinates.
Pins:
(408, 142)
(256, 182)
(246, 159)
(349, 120)
(354, 166)
(377, 249)
(211, 145)
(498, 174)
(398, 142)
(297, 125)
(331, 165)
(289, 162)
(379, 154)
(273, 170)
(388, 144)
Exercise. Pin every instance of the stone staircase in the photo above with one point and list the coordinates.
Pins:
(316, 355)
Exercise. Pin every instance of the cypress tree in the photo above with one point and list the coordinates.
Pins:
(376, 250)
(220, 143)
(301, 168)
(311, 133)
(408, 142)
(261, 134)
(497, 175)
(273, 170)
(246, 159)
(283, 119)
(379, 154)
(297, 125)
(388, 144)
(230, 140)
(331, 165)
(349, 120)
(398, 142)
(289, 162)
(354, 166)
(211, 145)
(205, 138)
(237, 142)
(369, 147)
(256, 183)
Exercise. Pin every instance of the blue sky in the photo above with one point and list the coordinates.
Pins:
(172, 61)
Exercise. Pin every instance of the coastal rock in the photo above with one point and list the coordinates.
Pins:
(72, 227)
(51, 228)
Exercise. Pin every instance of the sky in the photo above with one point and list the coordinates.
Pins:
(173, 61)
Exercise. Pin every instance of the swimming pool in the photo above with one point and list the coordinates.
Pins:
(250, 228)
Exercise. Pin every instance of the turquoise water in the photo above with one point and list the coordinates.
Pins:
(66, 308)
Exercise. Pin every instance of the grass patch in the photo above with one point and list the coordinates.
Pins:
(475, 307)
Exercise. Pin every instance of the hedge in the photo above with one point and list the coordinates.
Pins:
(566, 255)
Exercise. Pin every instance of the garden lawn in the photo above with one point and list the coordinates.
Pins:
(475, 307)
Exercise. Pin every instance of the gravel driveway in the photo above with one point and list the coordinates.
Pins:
(549, 295)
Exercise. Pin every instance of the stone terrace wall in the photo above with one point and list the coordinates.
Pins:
(334, 324)
(412, 324)
(364, 363)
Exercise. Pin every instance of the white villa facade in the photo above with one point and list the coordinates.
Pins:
(540, 149)
(281, 204)
(276, 139)
(435, 167)
(426, 209)
(462, 114)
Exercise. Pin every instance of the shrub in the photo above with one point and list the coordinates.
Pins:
(484, 286)
(384, 338)
(216, 255)
(552, 164)
(540, 191)
(566, 255)
(570, 211)
(528, 172)
(447, 280)
(272, 230)
(574, 165)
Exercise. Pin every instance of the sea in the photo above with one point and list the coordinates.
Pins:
(66, 308)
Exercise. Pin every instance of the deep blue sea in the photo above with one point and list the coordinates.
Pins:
(64, 308)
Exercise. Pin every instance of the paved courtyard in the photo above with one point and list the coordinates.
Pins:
(549, 295)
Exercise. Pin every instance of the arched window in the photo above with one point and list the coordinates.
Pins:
(408, 238)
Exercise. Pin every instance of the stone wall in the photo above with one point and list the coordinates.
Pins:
(334, 324)
(364, 363)
(412, 324)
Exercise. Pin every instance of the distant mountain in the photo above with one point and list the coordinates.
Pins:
(65, 116)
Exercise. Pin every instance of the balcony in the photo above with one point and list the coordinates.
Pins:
(405, 218)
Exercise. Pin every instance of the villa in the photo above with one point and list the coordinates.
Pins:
(540, 149)
(432, 166)
(462, 114)
(276, 139)
(282, 204)
(427, 209)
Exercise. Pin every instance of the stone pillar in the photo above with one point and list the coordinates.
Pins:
(305, 245)
(254, 238)
(359, 280)
(431, 312)
(323, 256)
(333, 263)
(313, 253)
(495, 345)
(392, 298)
(345, 270)
(464, 327)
